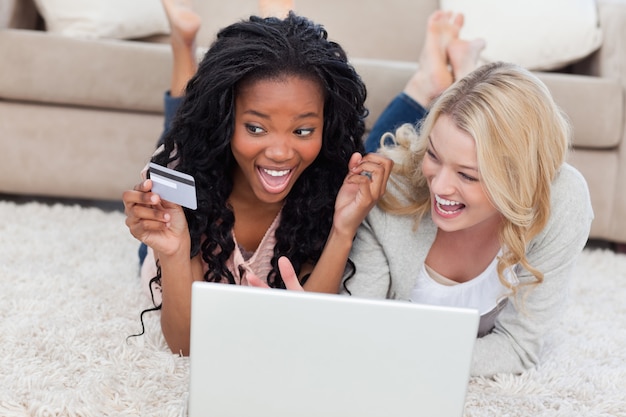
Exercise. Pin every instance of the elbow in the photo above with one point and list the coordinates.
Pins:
(498, 355)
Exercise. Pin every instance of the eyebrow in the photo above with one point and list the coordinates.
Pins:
(267, 116)
(471, 168)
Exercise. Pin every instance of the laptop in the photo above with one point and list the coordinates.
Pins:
(265, 352)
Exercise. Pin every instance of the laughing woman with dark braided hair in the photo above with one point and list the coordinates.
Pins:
(270, 127)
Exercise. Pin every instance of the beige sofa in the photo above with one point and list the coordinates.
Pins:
(79, 118)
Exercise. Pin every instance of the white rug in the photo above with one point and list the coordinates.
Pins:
(69, 297)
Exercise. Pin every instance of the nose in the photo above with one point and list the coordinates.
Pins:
(280, 148)
(442, 182)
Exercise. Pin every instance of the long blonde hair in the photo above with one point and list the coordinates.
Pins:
(521, 138)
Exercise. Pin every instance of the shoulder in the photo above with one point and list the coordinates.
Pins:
(571, 214)
(570, 195)
(400, 233)
(390, 223)
(389, 228)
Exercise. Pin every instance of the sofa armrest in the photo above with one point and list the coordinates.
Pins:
(610, 60)
(18, 14)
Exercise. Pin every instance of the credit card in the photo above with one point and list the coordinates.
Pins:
(173, 186)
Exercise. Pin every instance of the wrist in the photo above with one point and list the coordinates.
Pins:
(341, 238)
(182, 250)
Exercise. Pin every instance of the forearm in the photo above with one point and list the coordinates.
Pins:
(516, 342)
(177, 276)
(499, 353)
(328, 272)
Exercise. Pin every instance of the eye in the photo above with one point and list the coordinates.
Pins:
(255, 130)
(304, 132)
(431, 154)
(467, 177)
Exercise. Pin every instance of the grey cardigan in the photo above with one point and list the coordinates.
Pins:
(388, 252)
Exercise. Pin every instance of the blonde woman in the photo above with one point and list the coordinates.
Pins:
(481, 211)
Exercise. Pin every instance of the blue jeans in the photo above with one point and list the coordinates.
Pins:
(142, 253)
(170, 107)
(402, 109)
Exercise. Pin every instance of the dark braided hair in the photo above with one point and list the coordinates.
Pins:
(199, 139)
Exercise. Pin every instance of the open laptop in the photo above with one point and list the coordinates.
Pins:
(265, 352)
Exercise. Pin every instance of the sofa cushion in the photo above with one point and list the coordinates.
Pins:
(116, 19)
(388, 30)
(50, 68)
(537, 34)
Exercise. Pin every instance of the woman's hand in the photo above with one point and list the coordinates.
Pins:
(286, 271)
(364, 185)
(157, 223)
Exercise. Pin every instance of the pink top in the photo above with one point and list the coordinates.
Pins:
(258, 263)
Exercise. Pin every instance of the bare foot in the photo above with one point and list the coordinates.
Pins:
(184, 21)
(184, 26)
(433, 75)
(464, 56)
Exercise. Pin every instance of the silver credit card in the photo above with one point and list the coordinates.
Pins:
(173, 186)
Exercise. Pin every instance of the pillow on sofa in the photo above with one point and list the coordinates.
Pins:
(116, 19)
(537, 34)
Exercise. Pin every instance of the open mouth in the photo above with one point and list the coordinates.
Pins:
(448, 207)
(275, 180)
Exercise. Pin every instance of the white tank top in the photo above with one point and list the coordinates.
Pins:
(484, 293)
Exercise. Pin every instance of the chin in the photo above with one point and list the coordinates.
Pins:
(446, 225)
(273, 198)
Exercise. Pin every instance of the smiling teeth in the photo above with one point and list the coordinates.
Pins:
(444, 202)
(275, 173)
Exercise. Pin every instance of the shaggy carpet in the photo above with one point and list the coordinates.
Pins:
(70, 296)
